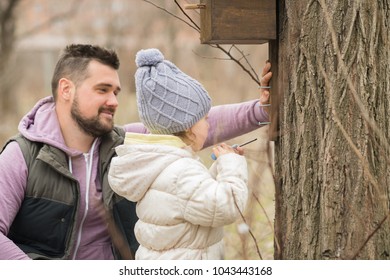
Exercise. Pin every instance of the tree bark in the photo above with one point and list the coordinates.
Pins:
(332, 153)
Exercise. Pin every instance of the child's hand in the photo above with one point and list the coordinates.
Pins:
(226, 149)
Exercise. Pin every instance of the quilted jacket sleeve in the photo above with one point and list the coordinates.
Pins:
(217, 199)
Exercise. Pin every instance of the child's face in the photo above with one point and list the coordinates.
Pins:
(200, 131)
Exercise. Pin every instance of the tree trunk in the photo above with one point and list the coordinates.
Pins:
(332, 153)
(7, 40)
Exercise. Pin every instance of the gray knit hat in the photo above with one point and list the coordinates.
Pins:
(168, 100)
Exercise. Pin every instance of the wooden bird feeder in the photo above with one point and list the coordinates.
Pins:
(237, 21)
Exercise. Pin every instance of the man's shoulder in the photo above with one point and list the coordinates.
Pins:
(29, 148)
(119, 131)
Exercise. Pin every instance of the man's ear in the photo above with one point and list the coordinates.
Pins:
(65, 89)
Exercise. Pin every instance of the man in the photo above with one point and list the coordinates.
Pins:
(55, 201)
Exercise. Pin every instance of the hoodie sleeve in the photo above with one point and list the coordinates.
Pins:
(135, 128)
(13, 177)
(232, 120)
(226, 121)
(215, 201)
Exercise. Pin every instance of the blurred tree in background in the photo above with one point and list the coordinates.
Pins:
(7, 43)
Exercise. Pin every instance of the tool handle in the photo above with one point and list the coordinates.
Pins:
(214, 157)
(235, 147)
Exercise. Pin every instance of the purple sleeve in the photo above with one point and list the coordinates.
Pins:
(13, 177)
(226, 121)
(135, 128)
(232, 120)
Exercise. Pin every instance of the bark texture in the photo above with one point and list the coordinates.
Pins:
(332, 155)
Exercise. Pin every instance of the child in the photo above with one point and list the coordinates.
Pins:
(182, 206)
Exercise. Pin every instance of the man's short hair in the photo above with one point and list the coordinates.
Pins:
(74, 61)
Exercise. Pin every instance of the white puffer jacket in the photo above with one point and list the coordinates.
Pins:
(182, 206)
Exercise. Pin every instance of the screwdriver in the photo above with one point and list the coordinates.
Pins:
(235, 146)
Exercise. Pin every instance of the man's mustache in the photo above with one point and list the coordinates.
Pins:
(107, 110)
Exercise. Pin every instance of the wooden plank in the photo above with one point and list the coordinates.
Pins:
(275, 98)
(276, 93)
(238, 21)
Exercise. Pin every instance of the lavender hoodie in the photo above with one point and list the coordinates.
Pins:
(41, 124)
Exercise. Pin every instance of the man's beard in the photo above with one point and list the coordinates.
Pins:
(92, 126)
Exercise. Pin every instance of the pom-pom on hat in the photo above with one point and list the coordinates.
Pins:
(168, 100)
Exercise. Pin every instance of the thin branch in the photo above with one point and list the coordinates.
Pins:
(247, 61)
(265, 212)
(250, 231)
(168, 12)
(370, 236)
(254, 77)
(187, 16)
(238, 62)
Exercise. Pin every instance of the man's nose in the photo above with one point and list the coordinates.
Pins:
(113, 100)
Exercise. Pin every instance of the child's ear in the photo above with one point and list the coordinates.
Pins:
(190, 135)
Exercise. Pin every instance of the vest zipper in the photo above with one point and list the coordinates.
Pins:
(88, 162)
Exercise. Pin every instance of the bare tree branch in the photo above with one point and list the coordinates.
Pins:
(181, 9)
(265, 212)
(168, 12)
(250, 231)
(251, 72)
